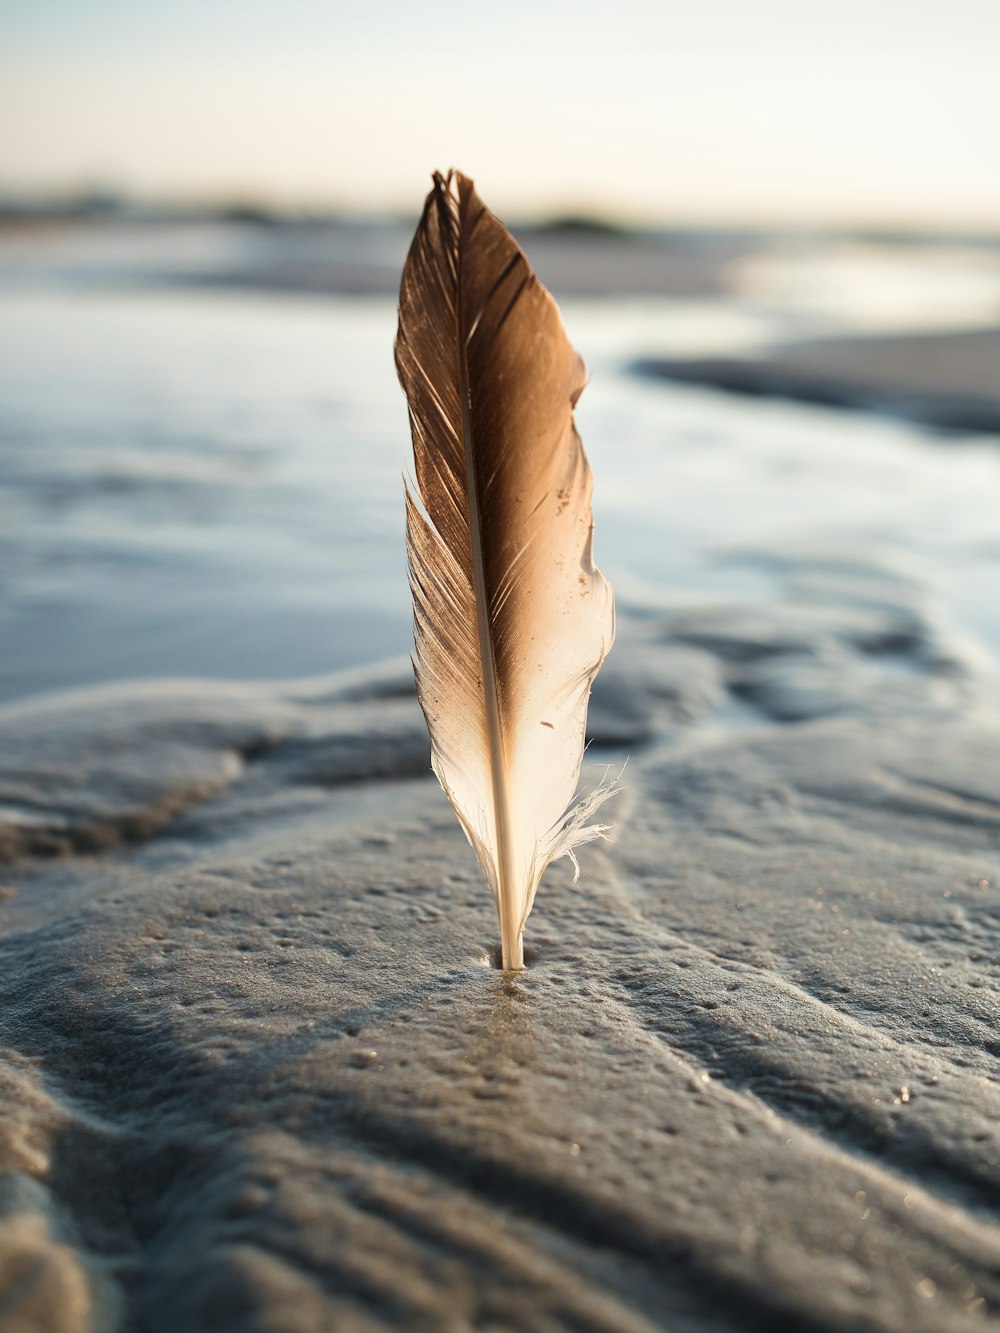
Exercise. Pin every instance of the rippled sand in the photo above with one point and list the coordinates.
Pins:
(261, 1070)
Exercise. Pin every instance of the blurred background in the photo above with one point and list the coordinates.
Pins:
(773, 229)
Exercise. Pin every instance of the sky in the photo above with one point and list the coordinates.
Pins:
(883, 112)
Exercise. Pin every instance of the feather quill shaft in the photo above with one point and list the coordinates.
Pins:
(512, 619)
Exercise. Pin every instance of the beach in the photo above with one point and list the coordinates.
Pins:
(259, 1067)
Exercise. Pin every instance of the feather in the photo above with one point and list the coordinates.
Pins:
(512, 619)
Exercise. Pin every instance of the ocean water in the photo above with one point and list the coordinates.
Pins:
(201, 482)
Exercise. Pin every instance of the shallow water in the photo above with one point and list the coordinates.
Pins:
(209, 484)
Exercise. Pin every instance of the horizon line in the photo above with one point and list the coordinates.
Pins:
(95, 200)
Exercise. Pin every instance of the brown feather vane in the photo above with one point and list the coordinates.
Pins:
(512, 619)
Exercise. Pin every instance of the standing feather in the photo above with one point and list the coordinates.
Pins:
(512, 619)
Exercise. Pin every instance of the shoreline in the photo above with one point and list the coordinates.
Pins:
(947, 381)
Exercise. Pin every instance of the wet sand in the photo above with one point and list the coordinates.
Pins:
(945, 380)
(261, 1072)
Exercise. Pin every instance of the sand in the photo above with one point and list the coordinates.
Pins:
(949, 380)
(260, 1071)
